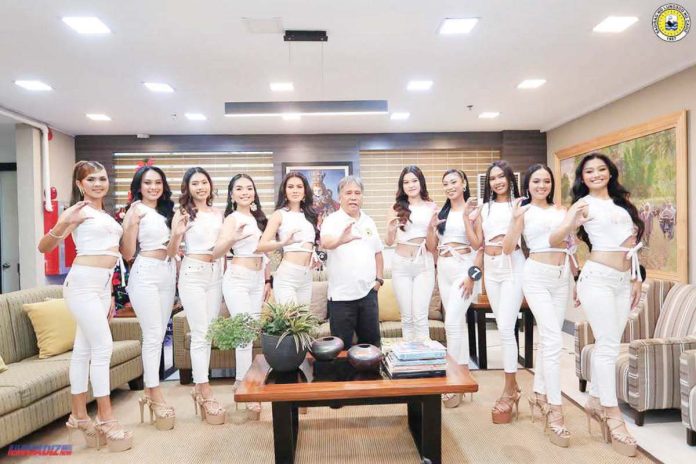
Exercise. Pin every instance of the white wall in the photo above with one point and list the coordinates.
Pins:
(7, 143)
(62, 159)
(669, 95)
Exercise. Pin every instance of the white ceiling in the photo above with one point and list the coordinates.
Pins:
(204, 50)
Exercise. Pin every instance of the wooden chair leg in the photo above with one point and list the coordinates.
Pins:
(691, 437)
(583, 385)
(640, 418)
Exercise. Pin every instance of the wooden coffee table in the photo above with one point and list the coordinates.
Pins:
(336, 384)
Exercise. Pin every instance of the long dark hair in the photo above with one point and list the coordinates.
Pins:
(81, 170)
(165, 205)
(186, 200)
(261, 219)
(528, 177)
(447, 207)
(513, 190)
(618, 193)
(401, 206)
(306, 205)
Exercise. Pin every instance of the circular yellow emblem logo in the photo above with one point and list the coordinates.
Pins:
(671, 22)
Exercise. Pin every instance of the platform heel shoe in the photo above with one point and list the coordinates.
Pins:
(161, 415)
(537, 403)
(209, 408)
(451, 400)
(117, 438)
(502, 411)
(240, 414)
(593, 410)
(621, 442)
(87, 429)
(560, 435)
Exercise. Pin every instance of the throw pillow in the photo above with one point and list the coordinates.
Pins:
(54, 326)
(3, 366)
(388, 307)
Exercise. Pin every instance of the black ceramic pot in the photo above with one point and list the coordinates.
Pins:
(284, 357)
(364, 357)
(326, 348)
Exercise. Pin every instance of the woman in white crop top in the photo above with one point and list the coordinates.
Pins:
(246, 283)
(610, 281)
(87, 293)
(502, 274)
(198, 224)
(293, 228)
(410, 225)
(455, 257)
(546, 286)
(152, 282)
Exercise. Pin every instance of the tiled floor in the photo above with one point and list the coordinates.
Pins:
(663, 435)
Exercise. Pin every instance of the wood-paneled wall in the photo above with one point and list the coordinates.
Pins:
(520, 148)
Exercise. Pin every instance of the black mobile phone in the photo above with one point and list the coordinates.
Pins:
(526, 201)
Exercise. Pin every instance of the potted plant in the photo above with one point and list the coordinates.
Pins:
(229, 333)
(287, 332)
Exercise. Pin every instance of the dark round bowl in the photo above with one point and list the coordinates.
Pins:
(364, 357)
(326, 348)
(283, 357)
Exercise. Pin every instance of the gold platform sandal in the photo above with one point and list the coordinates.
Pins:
(502, 411)
(537, 403)
(161, 414)
(622, 442)
(593, 410)
(210, 409)
(117, 438)
(86, 427)
(560, 435)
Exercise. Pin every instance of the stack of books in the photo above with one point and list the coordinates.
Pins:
(405, 360)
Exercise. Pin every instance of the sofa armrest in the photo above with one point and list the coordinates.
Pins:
(637, 326)
(653, 377)
(687, 383)
(125, 328)
(583, 337)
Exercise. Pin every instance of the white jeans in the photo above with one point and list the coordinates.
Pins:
(151, 289)
(292, 283)
(413, 281)
(504, 290)
(605, 295)
(546, 288)
(243, 290)
(87, 293)
(200, 291)
(451, 272)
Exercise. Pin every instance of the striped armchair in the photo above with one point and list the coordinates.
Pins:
(687, 381)
(661, 328)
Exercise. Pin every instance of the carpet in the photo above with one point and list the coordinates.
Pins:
(355, 434)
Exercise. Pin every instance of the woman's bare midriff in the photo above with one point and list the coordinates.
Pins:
(156, 254)
(204, 258)
(464, 250)
(554, 258)
(253, 264)
(409, 251)
(105, 261)
(614, 259)
(495, 250)
(301, 258)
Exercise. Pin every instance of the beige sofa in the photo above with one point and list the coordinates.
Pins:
(226, 360)
(34, 392)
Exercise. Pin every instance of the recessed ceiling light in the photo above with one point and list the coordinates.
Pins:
(159, 87)
(457, 25)
(292, 117)
(489, 115)
(615, 24)
(400, 116)
(195, 117)
(419, 85)
(531, 83)
(282, 86)
(86, 25)
(34, 85)
(98, 117)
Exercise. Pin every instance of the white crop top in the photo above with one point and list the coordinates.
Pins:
(455, 229)
(153, 233)
(200, 238)
(296, 220)
(246, 248)
(97, 234)
(417, 225)
(539, 223)
(495, 219)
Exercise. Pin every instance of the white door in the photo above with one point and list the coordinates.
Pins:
(9, 233)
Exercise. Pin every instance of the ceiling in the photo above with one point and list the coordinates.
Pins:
(206, 52)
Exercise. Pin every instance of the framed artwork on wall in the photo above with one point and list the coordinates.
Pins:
(323, 178)
(652, 163)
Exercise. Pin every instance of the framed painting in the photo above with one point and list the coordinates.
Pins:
(323, 178)
(652, 162)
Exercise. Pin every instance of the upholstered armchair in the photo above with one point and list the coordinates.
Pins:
(659, 330)
(687, 381)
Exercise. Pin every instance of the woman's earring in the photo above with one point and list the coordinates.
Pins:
(234, 206)
(82, 192)
(253, 207)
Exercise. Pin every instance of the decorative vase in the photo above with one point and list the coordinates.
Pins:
(364, 357)
(284, 357)
(326, 348)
